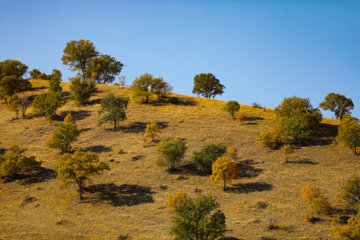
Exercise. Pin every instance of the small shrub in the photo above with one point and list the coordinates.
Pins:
(121, 151)
(48, 104)
(81, 90)
(55, 79)
(256, 105)
(287, 150)
(224, 170)
(232, 152)
(232, 107)
(349, 231)
(24, 104)
(14, 162)
(170, 152)
(207, 155)
(197, 218)
(173, 201)
(241, 118)
(77, 168)
(272, 138)
(65, 134)
(271, 221)
(350, 192)
(312, 197)
(151, 132)
(13, 104)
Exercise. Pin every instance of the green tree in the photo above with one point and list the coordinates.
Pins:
(207, 156)
(13, 104)
(11, 78)
(81, 90)
(14, 162)
(338, 104)
(113, 109)
(207, 85)
(48, 104)
(77, 168)
(105, 67)
(64, 135)
(77, 55)
(297, 119)
(141, 87)
(34, 73)
(170, 152)
(55, 79)
(232, 107)
(350, 192)
(160, 87)
(197, 218)
(349, 133)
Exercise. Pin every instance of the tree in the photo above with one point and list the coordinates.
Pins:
(297, 119)
(34, 73)
(338, 104)
(350, 192)
(207, 155)
(349, 133)
(77, 55)
(232, 107)
(48, 104)
(55, 79)
(64, 135)
(122, 80)
(24, 104)
(11, 78)
(113, 109)
(152, 130)
(105, 67)
(170, 152)
(197, 218)
(160, 87)
(224, 170)
(81, 90)
(207, 85)
(77, 168)
(14, 162)
(13, 104)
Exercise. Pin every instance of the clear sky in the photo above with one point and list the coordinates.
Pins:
(262, 51)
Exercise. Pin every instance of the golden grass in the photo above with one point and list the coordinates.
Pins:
(135, 190)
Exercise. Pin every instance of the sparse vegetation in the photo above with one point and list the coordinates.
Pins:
(78, 167)
(170, 152)
(197, 218)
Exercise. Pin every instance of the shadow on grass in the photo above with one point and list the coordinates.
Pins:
(248, 171)
(2, 150)
(304, 161)
(94, 101)
(138, 127)
(325, 135)
(123, 195)
(230, 238)
(39, 175)
(98, 149)
(249, 187)
(173, 101)
(77, 115)
(192, 169)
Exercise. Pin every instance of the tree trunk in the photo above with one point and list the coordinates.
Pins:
(80, 190)
(224, 187)
(114, 124)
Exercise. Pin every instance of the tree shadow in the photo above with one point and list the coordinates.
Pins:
(77, 115)
(324, 136)
(138, 127)
(192, 169)
(249, 187)
(304, 161)
(2, 150)
(123, 195)
(41, 174)
(230, 238)
(94, 102)
(98, 149)
(254, 118)
(248, 171)
(37, 88)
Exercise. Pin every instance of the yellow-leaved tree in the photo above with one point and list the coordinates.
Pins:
(151, 132)
(224, 170)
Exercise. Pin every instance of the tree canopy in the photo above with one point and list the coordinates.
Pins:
(113, 109)
(338, 104)
(207, 85)
(103, 68)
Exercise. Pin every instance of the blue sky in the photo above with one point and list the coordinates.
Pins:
(262, 51)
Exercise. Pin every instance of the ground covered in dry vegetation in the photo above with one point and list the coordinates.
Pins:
(129, 201)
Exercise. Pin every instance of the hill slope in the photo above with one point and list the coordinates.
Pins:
(129, 200)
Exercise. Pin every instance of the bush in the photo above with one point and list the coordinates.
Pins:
(24, 104)
(224, 170)
(350, 192)
(287, 150)
(232, 107)
(48, 104)
(312, 197)
(14, 162)
(349, 231)
(64, 135)
(78, 167)
(197, 218)
(152, 130)
(272, 138)
(146, 85)
(170, 152)
(81, 90)
(113, 109)
(55, 79)
(232, 152)
(349, 133)
(13, 104)
(207, 156)
(121, 151)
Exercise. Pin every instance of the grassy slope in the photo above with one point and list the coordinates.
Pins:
(129, 200)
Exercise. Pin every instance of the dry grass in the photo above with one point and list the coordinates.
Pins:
(130, 199)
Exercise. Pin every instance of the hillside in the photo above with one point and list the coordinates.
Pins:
(128, 202)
